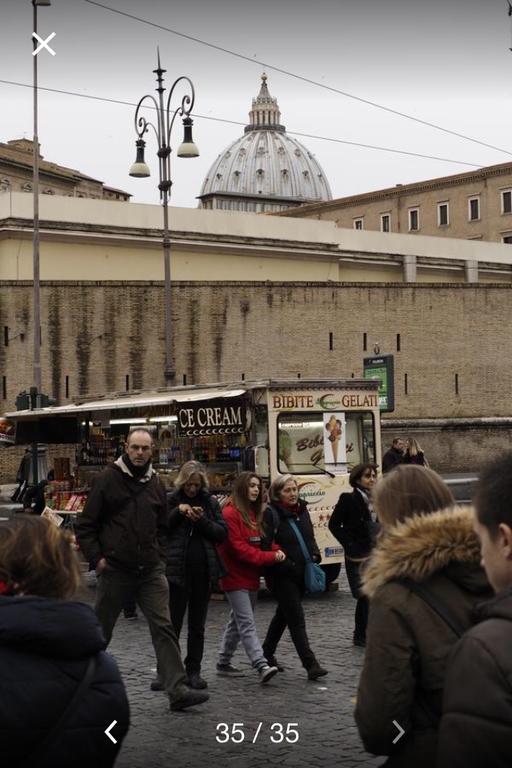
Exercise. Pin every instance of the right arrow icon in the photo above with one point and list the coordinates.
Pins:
(400, 731)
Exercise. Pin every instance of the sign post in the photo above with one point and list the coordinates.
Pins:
(382, 367)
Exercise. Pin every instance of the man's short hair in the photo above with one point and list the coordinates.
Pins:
(139, 429)
(493, 496)
(396, 440)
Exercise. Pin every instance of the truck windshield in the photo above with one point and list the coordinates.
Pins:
(301, 442)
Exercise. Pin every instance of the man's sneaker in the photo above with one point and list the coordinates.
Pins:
(316, 671)
(194, 680)
(189, 698)
(130, 615)
(228, 670)
(266, 673)
(157, 684)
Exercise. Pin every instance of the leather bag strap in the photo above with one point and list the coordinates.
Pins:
(436, 605)
(301, 541)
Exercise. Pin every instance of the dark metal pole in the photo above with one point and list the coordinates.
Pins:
(164, 152)
(35, 239)
(35, 254)
(169, 368)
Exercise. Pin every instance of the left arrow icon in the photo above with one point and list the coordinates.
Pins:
(107, 731)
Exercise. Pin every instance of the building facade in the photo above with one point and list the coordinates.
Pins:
(473, 206)
(261, 296)
(16, 175)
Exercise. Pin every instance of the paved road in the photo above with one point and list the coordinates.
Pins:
(321, 711)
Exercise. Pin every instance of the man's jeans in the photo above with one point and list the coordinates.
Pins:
(151, 591)
(241, 628)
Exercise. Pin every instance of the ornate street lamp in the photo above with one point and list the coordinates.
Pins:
(165, 117)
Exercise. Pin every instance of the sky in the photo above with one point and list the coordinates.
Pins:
(447, 62)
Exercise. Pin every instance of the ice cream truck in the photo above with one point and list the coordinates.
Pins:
(316, 430)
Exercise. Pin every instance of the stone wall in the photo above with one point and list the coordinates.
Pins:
(452, 343)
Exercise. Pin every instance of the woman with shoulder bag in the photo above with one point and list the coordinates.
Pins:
(59, 688)
(286, 514)
(353, 523)
(423, 580)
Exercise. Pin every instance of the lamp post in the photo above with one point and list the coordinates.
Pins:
(35, 193)
(165, 117)
(35, 237)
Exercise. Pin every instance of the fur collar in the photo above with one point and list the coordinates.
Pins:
(420, 546)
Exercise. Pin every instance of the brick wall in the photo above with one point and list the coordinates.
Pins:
(455, 356)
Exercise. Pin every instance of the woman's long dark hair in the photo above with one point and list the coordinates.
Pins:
(240, 499)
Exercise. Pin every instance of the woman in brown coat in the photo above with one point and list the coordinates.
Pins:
(426, 542)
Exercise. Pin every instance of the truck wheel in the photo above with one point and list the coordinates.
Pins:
(331, 571)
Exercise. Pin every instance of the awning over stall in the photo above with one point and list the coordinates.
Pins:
(121, 401)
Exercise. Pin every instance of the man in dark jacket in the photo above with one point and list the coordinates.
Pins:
(476, 728)
(394, 456)
(122, 532)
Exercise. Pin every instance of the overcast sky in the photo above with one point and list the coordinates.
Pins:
(444, 61)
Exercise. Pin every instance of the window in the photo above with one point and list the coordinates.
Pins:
(474, 208)
(506, 201)
(358, 223)
(507, 238)
(385, 222)
(414, 219)
(301, 441)
(443, 215)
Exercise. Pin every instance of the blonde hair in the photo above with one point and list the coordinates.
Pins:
(37, 558)
(409, 490)
(413, 446)
(188, 469)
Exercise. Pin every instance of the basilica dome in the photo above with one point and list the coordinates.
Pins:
(265, 169)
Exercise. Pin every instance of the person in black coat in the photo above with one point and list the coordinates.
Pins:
(286, 580)
(46, 645)
(394, 456)
(354, 525)
(476, 727)
(193, 566)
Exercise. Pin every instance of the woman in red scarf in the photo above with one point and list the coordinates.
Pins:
(243, 559)
(286, 581)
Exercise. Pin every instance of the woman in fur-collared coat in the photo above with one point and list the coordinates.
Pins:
(429, 541)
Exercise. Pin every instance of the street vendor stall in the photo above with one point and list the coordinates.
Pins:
(316, 430)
